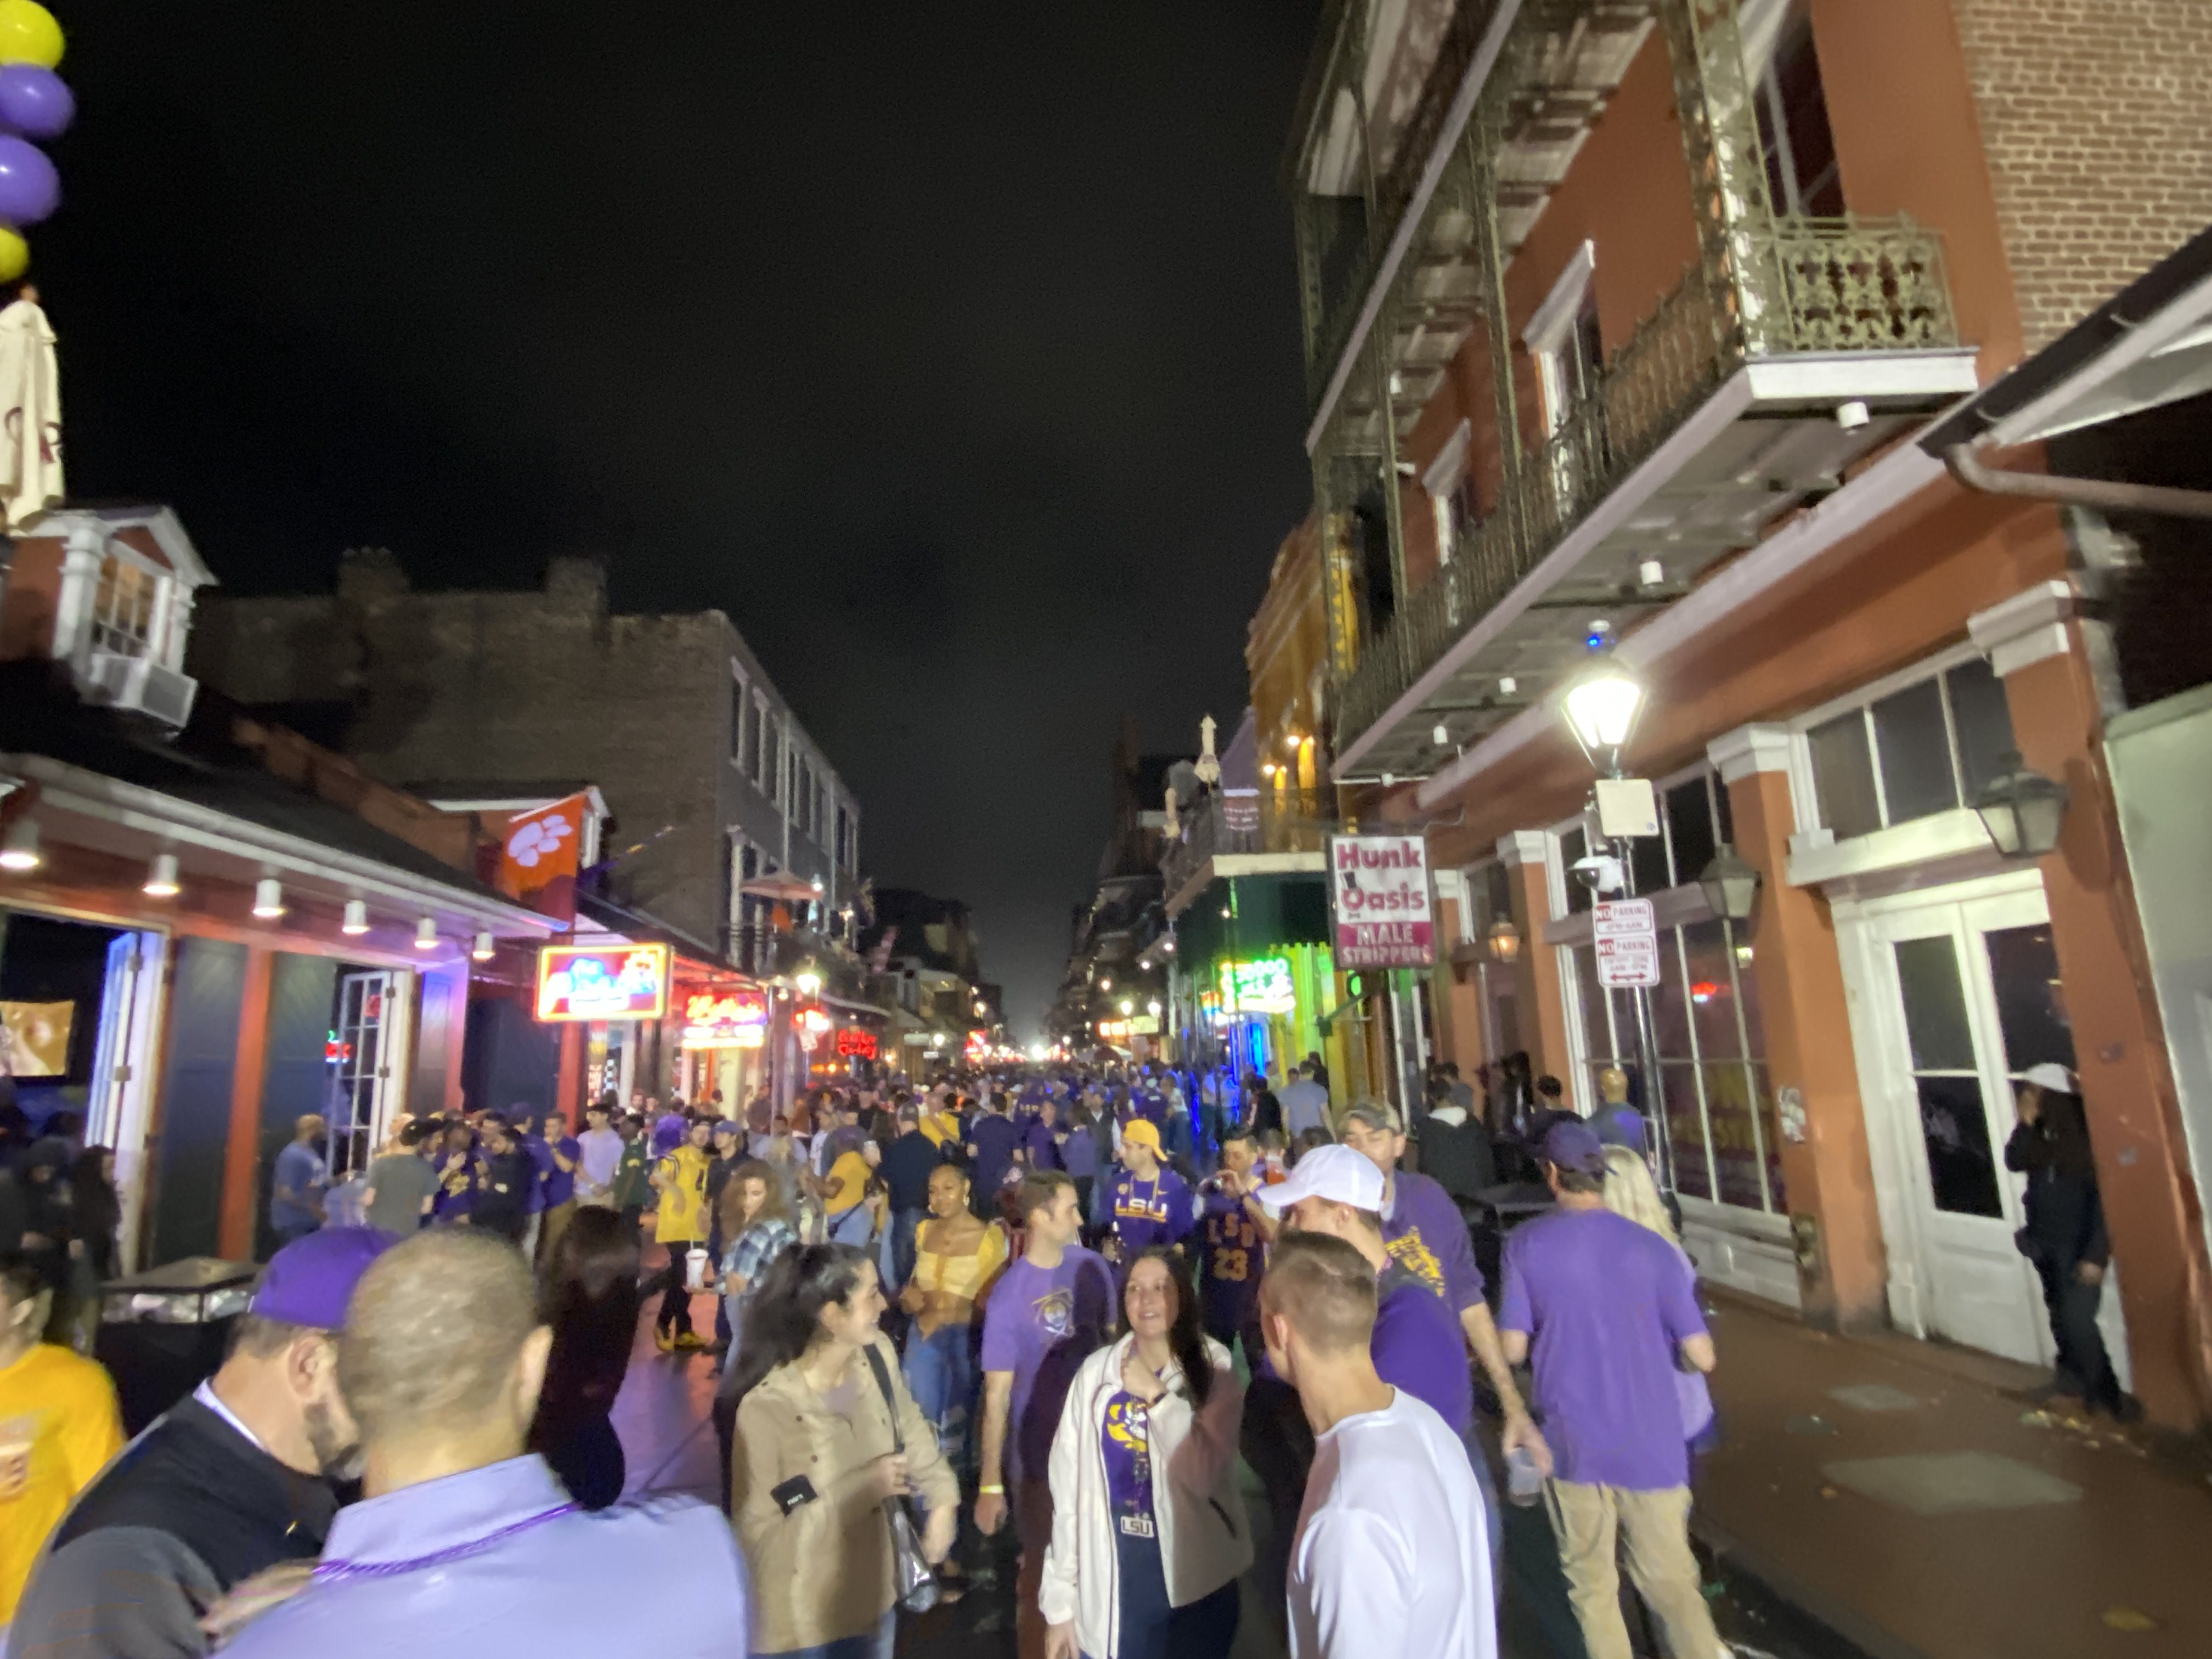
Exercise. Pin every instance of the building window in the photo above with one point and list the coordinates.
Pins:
(122, 608)
(1925, 748)
(741, 704)
(770, 777)
(844, 837)
(1711, 1053)
(1801, 171)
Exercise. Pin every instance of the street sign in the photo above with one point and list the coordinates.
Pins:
(1626, 935)
(1379, 891)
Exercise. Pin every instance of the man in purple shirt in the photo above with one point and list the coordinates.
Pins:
(462, 1532)
(1150, 1204)
(1609, 1310)
(556, 1154)
(1041, 1139)
(1417, 1344)
(1235, 1245)
(994, 1139)
(1047, 1313)
(1423, 1229)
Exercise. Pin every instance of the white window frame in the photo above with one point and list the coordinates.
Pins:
(153, 647)
(1551, 326)
(1442, 480)
(740, 702)
(1805, 791)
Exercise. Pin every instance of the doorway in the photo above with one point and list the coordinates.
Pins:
(1956, 994)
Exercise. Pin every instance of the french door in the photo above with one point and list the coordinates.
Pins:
(1963, 996)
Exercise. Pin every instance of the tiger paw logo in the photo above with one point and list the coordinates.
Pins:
(539, 838)
(1416, 1258)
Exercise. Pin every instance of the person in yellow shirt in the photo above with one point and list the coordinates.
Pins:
(680, 1223)
(58, 1426)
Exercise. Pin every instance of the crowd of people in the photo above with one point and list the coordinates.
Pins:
(1073, 1302)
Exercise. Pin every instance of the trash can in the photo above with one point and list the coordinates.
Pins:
(163, 1332)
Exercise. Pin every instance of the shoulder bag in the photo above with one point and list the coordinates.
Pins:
(916, 1579)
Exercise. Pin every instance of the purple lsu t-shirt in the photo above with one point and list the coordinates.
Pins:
(1425, 1233)
(1039, 1141)
(1149, 1212)
(1418, 1346)
(995, 1139)
(1041, 1324)
(1235, 1258)
(1606, 1305)
(1126, 1443)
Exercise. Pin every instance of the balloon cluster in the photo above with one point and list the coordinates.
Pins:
(33, 104)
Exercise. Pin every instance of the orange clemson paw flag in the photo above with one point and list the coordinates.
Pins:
(538, 857)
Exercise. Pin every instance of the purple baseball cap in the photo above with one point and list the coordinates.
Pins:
(311, 1280)
(1574, 1145)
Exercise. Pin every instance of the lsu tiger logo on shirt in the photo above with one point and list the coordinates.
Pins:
(1418, 1259)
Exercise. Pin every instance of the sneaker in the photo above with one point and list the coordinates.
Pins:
(690, 1341)
(663, 1340)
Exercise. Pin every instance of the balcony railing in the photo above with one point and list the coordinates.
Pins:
(1268, 821)
(1347, 236)
(1842, 285)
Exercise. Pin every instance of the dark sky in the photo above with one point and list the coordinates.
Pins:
(952, 349)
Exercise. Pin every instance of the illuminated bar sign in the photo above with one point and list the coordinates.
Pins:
(592, 982)
(725, 1019)
(1262, 987)
(853, 1043)
(1379, 893)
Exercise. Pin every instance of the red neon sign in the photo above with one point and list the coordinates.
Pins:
(855, 1044)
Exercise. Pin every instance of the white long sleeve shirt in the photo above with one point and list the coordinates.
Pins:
(1391, 1556)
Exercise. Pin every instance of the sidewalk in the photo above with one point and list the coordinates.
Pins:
(1902, 1493)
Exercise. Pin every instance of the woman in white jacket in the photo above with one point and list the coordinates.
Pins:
(1148, 1531)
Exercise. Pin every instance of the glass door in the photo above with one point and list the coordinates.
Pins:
(359, 1069)
(1971, 996)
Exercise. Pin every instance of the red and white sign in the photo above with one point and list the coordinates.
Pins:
(853, 1043)
(1626, 935)
(1379, 889)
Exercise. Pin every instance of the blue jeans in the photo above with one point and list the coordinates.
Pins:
(899, 1248)
(1151, 1629)
(874, 1645)
(941, 1372)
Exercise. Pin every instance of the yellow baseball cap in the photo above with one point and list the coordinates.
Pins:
(1143, 1131)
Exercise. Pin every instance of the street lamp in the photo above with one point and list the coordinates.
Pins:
(1153, 1007)
(1730, 885)
(1604, 706)
(1504, 939)
(1128, 1007)
(808, 982)
(2022, 809)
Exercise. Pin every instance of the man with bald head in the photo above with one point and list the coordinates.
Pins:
(465, 1542)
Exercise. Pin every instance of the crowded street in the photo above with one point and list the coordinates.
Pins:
(1278, 829)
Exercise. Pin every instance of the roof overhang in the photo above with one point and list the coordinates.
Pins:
(2149, 345)
(88, 809)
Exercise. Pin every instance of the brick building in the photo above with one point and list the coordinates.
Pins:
(481, 698)
(1628, 322)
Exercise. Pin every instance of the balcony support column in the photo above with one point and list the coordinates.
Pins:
(1714, 97)
(1485, 140)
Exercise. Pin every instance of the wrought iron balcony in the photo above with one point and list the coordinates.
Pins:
(1273, 829)
(1840, 310)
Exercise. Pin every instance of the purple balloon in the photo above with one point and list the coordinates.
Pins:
(35, 102)
(30, 189)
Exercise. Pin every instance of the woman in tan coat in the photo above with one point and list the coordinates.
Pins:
(815, 1455)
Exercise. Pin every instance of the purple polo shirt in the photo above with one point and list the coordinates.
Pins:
(1418, 1346)
(542, 1165)
(1426, 1232)
(469, 1564)
(995, 1139)
(1606, 1305)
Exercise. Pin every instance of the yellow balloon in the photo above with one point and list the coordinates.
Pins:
(15, 255)
(28, 35)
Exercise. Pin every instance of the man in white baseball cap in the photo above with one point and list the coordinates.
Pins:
(1417, 1346)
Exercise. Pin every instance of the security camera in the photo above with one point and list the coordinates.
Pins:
(1600, 872)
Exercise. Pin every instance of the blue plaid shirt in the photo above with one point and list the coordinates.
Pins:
(754, 1247)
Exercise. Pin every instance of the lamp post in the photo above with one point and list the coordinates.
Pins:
(1604, 705)
(1730, 885)
(1504, 940)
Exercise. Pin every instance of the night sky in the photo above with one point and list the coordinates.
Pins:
(952, 349)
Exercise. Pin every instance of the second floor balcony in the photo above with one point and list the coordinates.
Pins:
(1709, 422)
(1267, 831)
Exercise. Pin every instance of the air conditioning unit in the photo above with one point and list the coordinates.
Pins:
(141, 684)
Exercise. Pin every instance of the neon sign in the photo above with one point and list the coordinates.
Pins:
(813, 1026)
(588, 982)
(1263, 986)
(853, 1043)
(1114, 1030)
(727, 1019)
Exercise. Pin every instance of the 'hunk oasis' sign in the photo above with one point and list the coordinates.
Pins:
(1378, 889)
